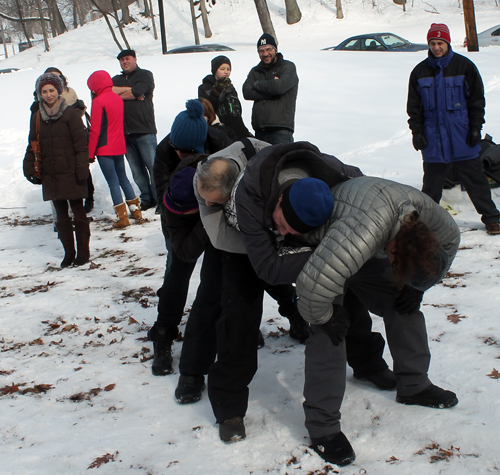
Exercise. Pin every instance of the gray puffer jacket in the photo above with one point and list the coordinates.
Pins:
(368, 213)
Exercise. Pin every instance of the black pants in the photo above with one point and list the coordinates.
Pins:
(173, 294)
(61, 207)
(199, 346)
(237, 332)
(471, 173)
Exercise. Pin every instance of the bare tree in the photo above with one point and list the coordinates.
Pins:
(265, 18)
(126, 19)
(193, 20)
(340, 13)
(105, 14)
(4, 41)
(58, 25)
(293, 14)
(152, 16)
(42, 22)
(119, 23)
(204, 17)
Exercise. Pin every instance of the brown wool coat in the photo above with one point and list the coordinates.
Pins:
(65, 163)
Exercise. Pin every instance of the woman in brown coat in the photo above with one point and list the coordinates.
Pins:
(62, 165)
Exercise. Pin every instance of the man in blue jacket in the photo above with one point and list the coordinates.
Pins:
(446, 108)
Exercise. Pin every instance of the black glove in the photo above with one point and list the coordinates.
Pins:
(222, 83)
(473, 137)
(408, 300)
(419, 142)
(34, 180)
(79, 104)
(336, 328)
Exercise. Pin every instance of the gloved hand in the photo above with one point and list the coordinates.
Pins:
(419, 142)
(336, 328)
(222, 83)
(473, 137)
(34, 180)
(408, 300)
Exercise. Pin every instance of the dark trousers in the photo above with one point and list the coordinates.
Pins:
(274, 135)
(199, 345)
(324, 384)
(61, 207)
(471, 174)
(173, 294)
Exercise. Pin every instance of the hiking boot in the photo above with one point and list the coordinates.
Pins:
(189, 389)
(232, 430)
(299, 329)
(260, 340)
(121, 213)
(145, 205)
(492, 228)
(162, 344)
(337, 450)
(433, 396)
(383, 380)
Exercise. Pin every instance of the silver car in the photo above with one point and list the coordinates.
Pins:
(489, 37)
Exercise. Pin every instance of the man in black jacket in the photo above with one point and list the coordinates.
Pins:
(135, 86)
(273, 86)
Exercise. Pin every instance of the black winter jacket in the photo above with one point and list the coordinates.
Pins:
(258, 193)
(139, 115)
(274, 99)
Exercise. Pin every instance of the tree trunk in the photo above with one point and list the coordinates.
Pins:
(470, 25)
(3, 40)
(204, 17)
(77, 9)
(125, 12)
(119, 23)
(20, 11)
(55, 14)
(265, 18)
(293, 14)
(105, 15)
(152, 16)
(42, 22)
(193, 19)
(147, 9)
(340, 13)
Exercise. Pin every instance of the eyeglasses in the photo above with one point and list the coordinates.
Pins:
(188, 151)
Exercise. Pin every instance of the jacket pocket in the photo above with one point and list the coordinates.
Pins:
(455, 93)
(427, 94)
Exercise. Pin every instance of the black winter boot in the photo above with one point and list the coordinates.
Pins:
(82, 231)
(383, 379)
(162, 343)
(189, 388)
(433, 396)
(232, 430)
(65, 233)
(337, 449)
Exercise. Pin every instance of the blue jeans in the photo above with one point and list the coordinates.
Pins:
(113, 169)
(141, 149)
(274, 135)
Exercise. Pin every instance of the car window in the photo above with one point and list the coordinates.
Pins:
(496, 33)
(393, 41)
(371, 44)
(353, 45)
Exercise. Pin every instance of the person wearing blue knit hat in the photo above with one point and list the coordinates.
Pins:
(189, 130)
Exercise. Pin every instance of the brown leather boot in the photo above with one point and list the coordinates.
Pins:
(82, 231)
(135, 209)
(65, 232)
(121, 212)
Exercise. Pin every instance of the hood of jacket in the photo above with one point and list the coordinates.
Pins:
(99, 81)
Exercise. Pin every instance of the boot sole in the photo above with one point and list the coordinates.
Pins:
(443, 405)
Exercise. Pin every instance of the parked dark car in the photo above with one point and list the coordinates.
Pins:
(8, 70)
(200, 49)
(377, 42)
(489, 37)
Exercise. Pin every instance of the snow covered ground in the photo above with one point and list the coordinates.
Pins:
(77, 392)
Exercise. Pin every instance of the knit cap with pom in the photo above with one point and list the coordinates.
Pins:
(49, 78)
(189, 130)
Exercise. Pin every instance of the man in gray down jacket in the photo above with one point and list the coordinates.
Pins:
(278, 257)
(242, 293)
(387, 243)
(273, 86)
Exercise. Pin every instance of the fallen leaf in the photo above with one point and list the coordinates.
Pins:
(494, 374)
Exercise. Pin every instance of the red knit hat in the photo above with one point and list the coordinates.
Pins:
(438, 31)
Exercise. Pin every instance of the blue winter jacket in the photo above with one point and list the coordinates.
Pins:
(445, 100)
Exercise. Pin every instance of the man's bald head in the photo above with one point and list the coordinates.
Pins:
(216, 179)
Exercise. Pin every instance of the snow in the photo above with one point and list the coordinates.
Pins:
(83, 329)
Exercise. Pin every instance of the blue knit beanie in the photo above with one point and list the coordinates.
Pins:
(307, 204)
(189, 130)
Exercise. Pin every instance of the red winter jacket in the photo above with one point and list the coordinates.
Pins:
(106, 131)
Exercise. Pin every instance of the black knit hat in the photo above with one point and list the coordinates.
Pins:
(218, 62)
(126, 52)
(267, 40)
(421, 280)
(49, 78)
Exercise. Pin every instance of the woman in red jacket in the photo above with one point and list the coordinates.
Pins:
(107, 142)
